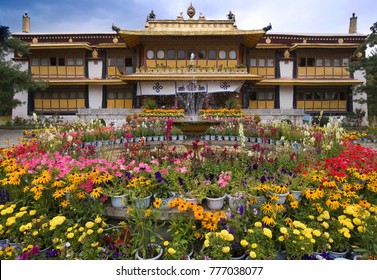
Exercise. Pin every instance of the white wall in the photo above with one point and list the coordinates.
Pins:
(286, 97)
(286, 69)
(359, 75)
(95, 96)
(21, 111)
(95, 69)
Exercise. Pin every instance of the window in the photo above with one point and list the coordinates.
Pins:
(319, 62)
(310, 61)
(61, 61)
(327, 62)
(345, 61)
(253, 62)
(270, 62)
(191, 54)
(128, 62)
(261, 62)
(150, 54)
(160, 54)
(111, 61)
(35, 61)
(306, 62)
(336, 62)
(70, 61)
(232, 54)
(212, 54)
(181, 54)
(120, 61)
(171, 54)
(222, 54)
(44, 61)
(202, 54)
(52, 61)
(79, 61)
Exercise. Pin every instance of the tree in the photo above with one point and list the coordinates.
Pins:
(12, 78)
(368, 64)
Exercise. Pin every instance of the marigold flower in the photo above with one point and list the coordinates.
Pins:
(244, 243)
(225, 249)
(252, 254)
(171, 251)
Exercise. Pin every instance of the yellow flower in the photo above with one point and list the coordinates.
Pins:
(90, 231)
(89, 224)
(225, 249)
(100, 230)
(206, 243)
(171, 251)
(70, 235)
(252, 254)
(254, 245)
(98, 220)
(267, 232)
(283, 230)
(244, 243)
(166, 243)
(258, 224)
(94, 244)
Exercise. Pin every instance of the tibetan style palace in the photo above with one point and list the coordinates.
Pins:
(112, 74)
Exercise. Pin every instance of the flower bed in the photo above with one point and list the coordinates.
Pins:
(54, 198)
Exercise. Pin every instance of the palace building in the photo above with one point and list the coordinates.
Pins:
(110, 75)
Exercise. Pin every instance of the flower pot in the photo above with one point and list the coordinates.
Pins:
(336, 255)
(242, 257)
(297, 195)
(165, 201)
(281, 255)
(191, 200)
(143, 203)
(156, 257)
(215, 203)
(235, 202)
(119, 201)
(282, 197)
(258, 201)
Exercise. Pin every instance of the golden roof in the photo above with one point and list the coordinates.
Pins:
(201, 28)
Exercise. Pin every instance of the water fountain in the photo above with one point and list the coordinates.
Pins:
(193, 96)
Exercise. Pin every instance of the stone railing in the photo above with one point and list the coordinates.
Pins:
(109, 115)
(296, 116)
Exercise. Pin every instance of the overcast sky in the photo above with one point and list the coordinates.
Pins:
(291, 16)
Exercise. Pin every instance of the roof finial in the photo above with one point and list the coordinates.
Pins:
(191, 11)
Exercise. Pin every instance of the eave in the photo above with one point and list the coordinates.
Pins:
(44, 46)
(65, 82)
(132, 38)
(323, 46)
(190, 77)
(310, 82)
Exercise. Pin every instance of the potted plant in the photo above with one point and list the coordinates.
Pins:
(145, 225)
(259, 243)
(215, 189)
(216, 246)
(180, 245)
(117, 191)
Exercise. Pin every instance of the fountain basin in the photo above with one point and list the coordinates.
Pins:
(194, 126)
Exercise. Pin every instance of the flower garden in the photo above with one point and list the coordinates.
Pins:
(301, 192)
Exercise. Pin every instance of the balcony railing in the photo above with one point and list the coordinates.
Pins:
(189, 69)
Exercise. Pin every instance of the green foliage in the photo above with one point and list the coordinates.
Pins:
(150, 104)
(13, 79)
(368, 64)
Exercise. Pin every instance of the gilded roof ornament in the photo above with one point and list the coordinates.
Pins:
(191, 11)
